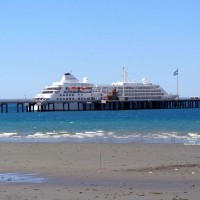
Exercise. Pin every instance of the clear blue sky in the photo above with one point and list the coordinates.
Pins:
(42, 39)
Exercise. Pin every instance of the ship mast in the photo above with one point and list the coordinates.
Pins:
(124, 77)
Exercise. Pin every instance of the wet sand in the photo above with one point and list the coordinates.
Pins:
(125, 171)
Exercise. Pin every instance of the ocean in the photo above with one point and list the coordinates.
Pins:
(128, 126)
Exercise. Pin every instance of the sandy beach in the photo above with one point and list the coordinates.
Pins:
(101, 171)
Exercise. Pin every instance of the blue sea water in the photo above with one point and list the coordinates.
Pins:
(147, 126)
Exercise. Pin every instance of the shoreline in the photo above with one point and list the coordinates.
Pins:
(100, 137)
(128, 171)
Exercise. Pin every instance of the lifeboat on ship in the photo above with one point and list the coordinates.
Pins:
(74, 89)
(85, 89)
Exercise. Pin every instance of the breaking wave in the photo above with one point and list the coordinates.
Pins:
(102, 137)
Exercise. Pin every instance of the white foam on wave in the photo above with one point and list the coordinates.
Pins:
(39, 135)
(193, 135)
(89, 135)
(52, 133)
(8, 134)
(110, 133)
(105, 137)
(90, 132)
(79, 133)
(63, 132)
(99, 131)
(101, 136)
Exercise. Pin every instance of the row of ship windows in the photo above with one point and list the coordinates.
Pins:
(139, 91)
(152, 97)
(105, 88)
(41, 99)
(75, 99)
(138, 88)
(47, 92)
(145, 98)
(56, 88)
(83, 92)
(70, 94)
(144, 94)
(127, 91)
(98, 91)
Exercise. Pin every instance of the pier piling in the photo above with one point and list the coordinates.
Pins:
(46, 106)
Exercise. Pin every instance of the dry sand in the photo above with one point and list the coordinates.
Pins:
(128, 171)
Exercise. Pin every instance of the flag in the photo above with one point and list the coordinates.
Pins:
(176, 73)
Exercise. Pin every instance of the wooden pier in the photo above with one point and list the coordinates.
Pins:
(29, 105)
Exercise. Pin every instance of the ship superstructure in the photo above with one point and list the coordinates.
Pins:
(70, 89)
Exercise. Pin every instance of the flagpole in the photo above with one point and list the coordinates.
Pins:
(176, 74)
(177, 85)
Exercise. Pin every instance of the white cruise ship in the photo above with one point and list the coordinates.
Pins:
(69, 89)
